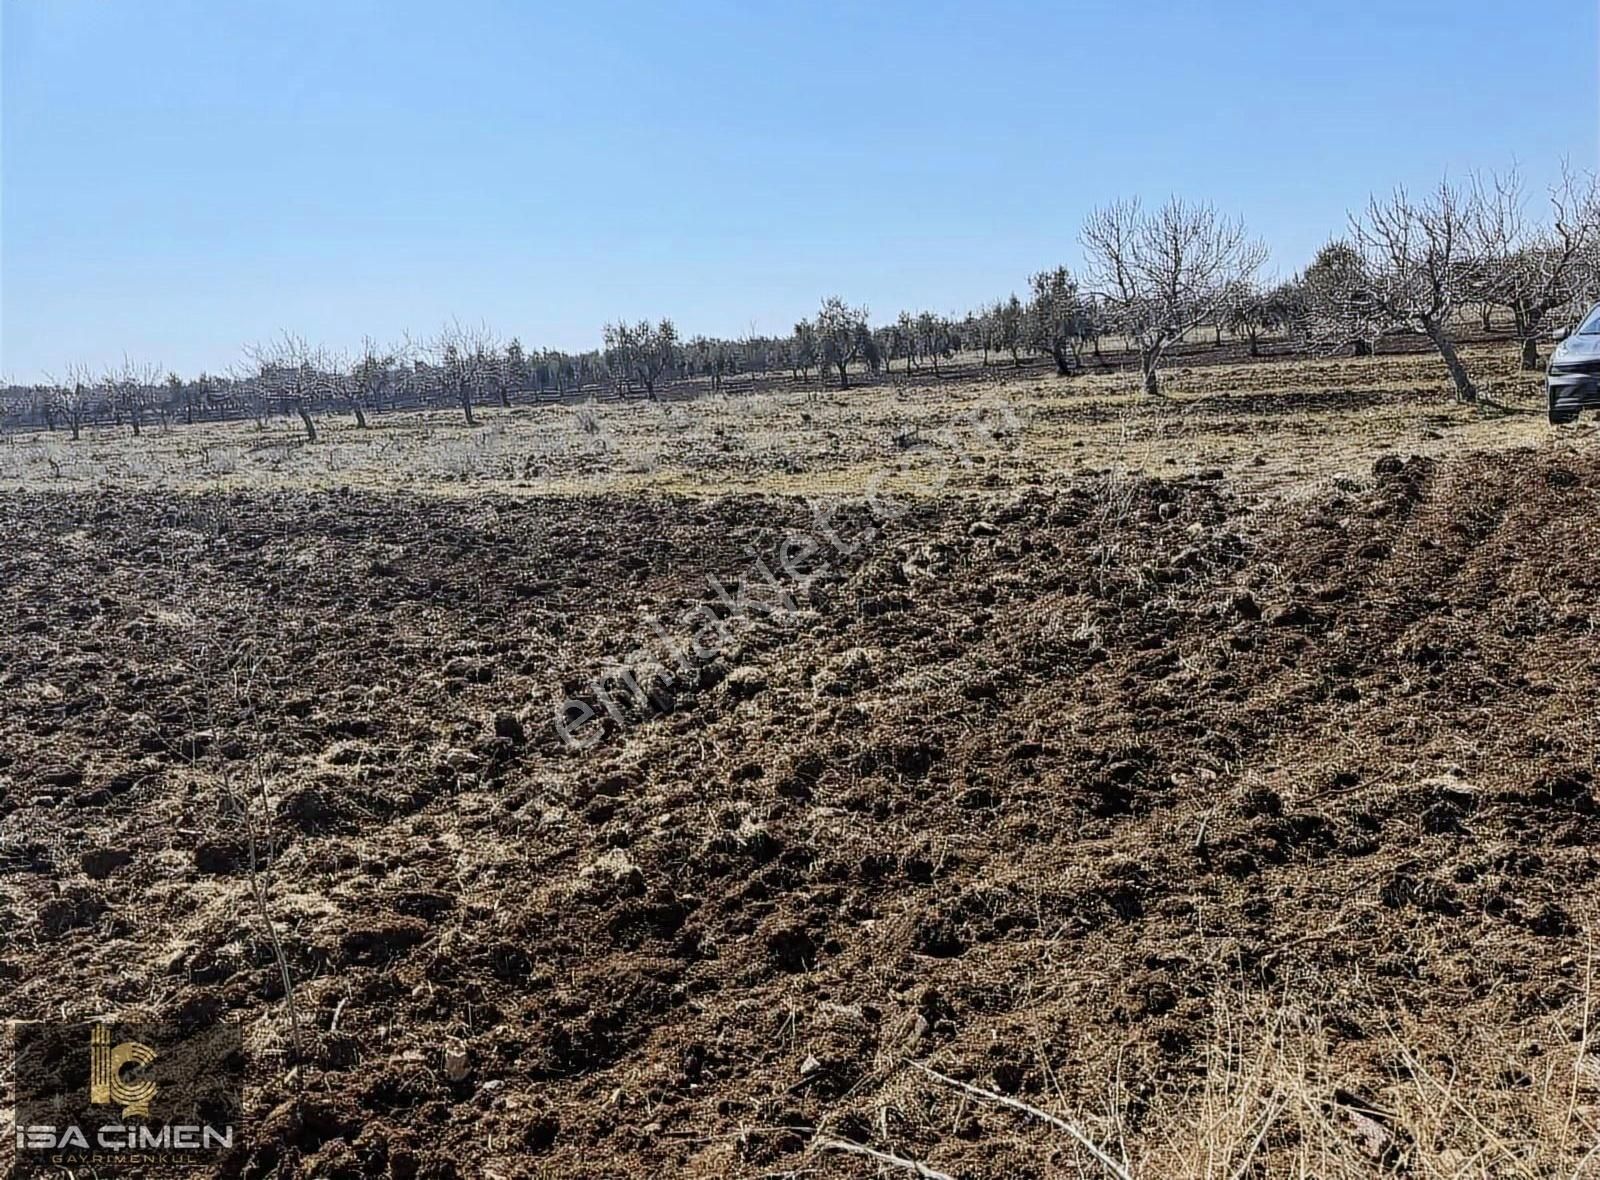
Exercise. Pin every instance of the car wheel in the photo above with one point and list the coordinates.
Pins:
(1561, 415)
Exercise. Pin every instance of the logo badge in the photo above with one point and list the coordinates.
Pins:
(106, 1083)
(104, 1096)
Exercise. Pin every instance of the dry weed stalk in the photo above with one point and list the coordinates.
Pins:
(825, 1143)
(243, 805)
(1116, 1169)
(1273, 1098)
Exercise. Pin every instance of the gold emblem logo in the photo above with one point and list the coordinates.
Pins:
(106, 1083)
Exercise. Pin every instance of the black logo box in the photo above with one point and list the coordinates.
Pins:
(198, 1076)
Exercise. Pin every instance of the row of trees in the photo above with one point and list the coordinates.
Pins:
(1151, 278)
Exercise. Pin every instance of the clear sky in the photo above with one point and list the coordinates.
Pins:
(182, 177)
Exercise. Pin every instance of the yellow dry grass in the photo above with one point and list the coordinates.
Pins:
(1273, 426)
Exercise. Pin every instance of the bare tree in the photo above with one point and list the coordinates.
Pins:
(130, 388)
(465, 358)
(1165, 273)
(1533, 268)
(1416, 257)
(77, 396)
(369, 376)
(286, 372)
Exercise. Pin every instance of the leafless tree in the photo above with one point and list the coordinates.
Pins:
(372, 374)
(1533, 268)
(71, 397)
(1416, 258)
(1165, 273)
(130, 388)
(465, 359)
(286, 371)
(77, 396)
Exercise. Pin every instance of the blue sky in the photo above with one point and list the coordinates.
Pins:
(182, 177)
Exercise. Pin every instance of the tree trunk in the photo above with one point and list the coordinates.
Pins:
(1363, 347)
(361, 418)
(305, 417)
(505, 397)
(1255, 343)
(844, 377)
(1528, 320)
(1149, 362)
(1465, 390)
(1063, 368)
(466, 407)
(76, 423)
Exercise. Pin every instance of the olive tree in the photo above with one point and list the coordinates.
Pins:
(1162, 274)
(842, 336)
(1008, 317)
(1340, 307)
(1252, 311)
(935, 337)
(802, 351)
(641, 352)
(901, 340)
(1058, 320)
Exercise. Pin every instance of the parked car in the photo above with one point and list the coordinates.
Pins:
(1572, 382)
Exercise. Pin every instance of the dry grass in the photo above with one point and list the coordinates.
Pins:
(1268, 1099)
(1277, 425)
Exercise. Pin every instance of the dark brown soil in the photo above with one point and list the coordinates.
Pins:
(1029, 781)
